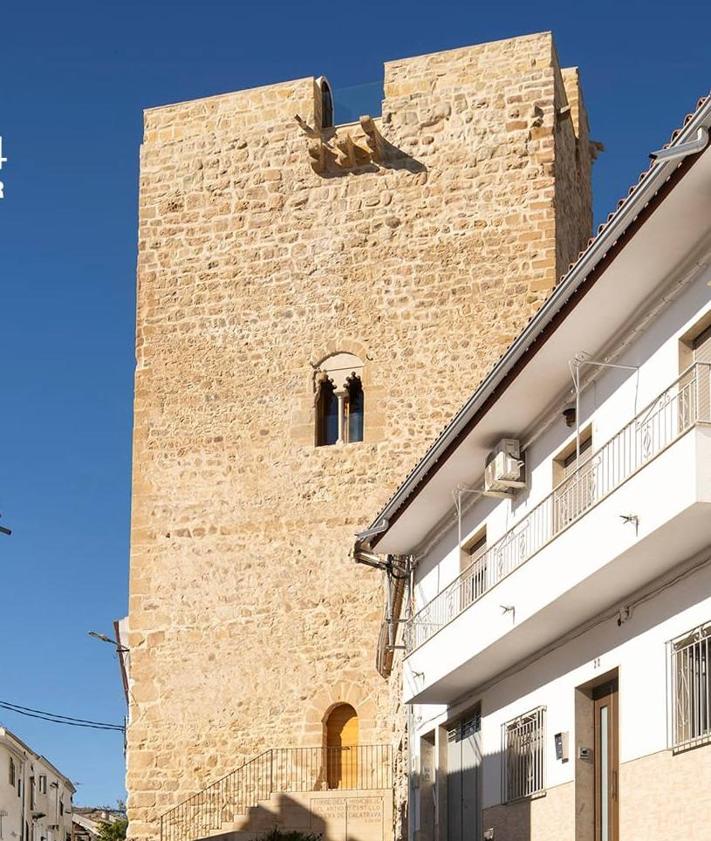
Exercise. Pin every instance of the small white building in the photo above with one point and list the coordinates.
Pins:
(558, 541)
(35, 798)
(87, 822)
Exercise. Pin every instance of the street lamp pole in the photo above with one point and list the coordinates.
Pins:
(120, 649)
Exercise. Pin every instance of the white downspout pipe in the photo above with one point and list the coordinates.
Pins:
(683, 150)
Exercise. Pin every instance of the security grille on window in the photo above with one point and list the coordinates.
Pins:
(691, 687)
(523, 754)
(11, 775)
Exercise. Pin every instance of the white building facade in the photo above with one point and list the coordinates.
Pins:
(558, 540)
(35, 798)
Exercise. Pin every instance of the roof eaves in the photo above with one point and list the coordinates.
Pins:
(610, 236)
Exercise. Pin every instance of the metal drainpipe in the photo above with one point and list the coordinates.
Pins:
(410, 773)
(391, 625)
(683, 150)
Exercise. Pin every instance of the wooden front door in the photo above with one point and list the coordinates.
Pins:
(342, 747)
(606, 759)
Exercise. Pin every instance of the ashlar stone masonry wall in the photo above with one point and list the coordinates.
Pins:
(248, 619)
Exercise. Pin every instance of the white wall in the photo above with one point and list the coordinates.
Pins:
(608, 404)
(10, 802)
(57, 793)
(53, 826)
(637, 649)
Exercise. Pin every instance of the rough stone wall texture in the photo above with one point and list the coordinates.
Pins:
(248, 620)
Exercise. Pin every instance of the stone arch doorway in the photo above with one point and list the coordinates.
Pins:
(342, 734)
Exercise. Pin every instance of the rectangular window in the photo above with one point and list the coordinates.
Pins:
(472, 564)
(702, 346)
(565, 463)
(694, 395)
(12, 772)
(523, 753)
(43, 784)
(691, 688)
(473, 548)
(574, 480)
(570, 462)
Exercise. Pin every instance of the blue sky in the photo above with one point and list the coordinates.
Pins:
(74, 77)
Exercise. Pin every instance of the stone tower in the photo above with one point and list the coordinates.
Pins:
(419, 243)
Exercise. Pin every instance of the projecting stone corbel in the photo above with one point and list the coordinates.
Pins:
(317, 155)
(595, 148)
(537, 117)
(373, 138)
(336, 151)
(316, 147)
(306, 128)
(349, 153)
(346, 151)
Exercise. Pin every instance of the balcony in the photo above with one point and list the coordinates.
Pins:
(573, 535)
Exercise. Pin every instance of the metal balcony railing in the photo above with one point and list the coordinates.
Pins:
(277, 770)
(680, 407)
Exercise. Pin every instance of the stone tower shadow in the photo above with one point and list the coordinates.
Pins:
(333, 815)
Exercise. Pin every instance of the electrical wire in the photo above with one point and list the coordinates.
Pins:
(56, 718)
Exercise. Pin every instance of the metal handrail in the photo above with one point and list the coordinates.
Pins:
(683, 404)
(293, 769)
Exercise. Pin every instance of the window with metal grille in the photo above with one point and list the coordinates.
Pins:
(523, 755)
(691, 687)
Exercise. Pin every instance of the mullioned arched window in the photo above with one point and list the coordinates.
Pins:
(355, 406)
(340, 400)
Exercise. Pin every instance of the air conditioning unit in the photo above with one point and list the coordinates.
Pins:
(504, 470)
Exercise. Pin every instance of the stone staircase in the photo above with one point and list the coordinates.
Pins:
(262, 818)
(310, 789)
